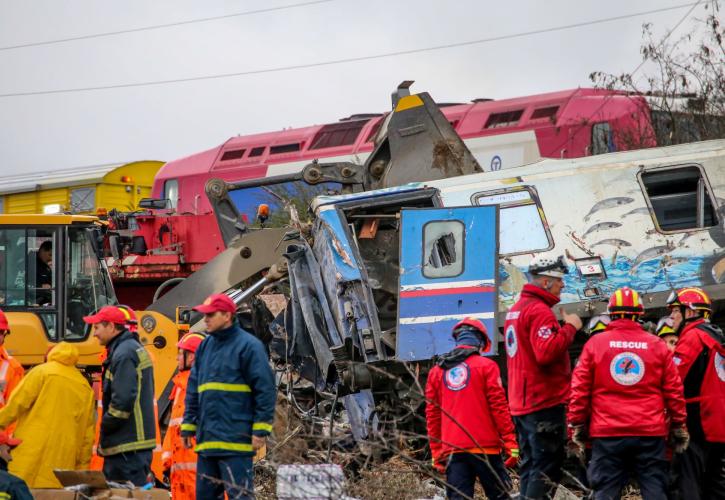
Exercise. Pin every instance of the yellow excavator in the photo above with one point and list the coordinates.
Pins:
(51, 275)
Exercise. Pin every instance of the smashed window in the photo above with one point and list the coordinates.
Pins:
(679, 198)
(522, 227)
(443, 249)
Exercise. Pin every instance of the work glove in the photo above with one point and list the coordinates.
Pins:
(679, 439)
(513, 458)
(577, 442)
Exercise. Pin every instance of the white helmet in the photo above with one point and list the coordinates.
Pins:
(546, 266)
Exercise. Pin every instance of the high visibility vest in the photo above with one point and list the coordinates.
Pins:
(180, 461)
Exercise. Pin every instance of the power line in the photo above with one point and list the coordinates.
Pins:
(349, 59)
(607, 98)
(162, 26)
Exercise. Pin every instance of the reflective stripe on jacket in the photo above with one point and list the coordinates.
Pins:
(624, 384)
(231, 393)
(128, 422)
(180, 461)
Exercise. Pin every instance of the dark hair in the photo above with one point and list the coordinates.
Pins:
(46, 246)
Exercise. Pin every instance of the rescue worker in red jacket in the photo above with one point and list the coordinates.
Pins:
(178, 460)
(622, 386)
(468, 420)
(700, 360)
(539, 371)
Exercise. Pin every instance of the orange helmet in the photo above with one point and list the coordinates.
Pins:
(471, 323)
(191, 341)
(692, 298)
(625, 302)
(131, 320)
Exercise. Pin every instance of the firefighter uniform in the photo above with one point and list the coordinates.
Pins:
(539, 371)
(179, 461)
(11, 487)
(468, 417)
(700, 360)
(230, 397)
(11, 371)
(623, 387)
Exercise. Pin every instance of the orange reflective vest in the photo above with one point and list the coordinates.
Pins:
(11, 373)
(180, 461)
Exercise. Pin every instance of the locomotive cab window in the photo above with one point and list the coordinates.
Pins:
(522, 225)
(680, 198)
(443, 249)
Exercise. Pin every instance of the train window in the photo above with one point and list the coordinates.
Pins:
(258, 151)
(680, 198)
(232, 154)
(82, 200)
(505, 119)
(522, 225)
(541, 113)
(443, 249)
(171, 192)
(602, 139)
(338, 134)
(284, 148)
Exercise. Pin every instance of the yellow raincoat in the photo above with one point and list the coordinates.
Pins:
(55, 411)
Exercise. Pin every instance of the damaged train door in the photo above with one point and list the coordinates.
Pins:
(448, 271)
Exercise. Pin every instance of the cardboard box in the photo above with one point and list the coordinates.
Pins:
(100, 488)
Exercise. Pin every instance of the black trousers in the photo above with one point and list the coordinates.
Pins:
(134, 466)
(700, 471)
(615, 459)
(464, 468)
(542, 438)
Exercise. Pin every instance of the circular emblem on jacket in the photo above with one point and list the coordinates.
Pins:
(627, 368)
(457, 377)
(512, 344)
(720, 366)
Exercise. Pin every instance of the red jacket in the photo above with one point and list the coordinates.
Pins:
(624, 382)
(466, 409)
(700, 359)
(539, 368)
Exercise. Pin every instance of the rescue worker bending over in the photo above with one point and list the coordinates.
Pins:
(539, 371)
(230, 402)
(11, 371)
(179, 461)
(622, 385)
(700, 360)
(468, 417)
(128, 428)
(11, 487)
(53, 407)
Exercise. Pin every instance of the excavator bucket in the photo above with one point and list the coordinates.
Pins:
(420, 145)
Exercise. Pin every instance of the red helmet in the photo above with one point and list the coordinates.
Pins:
(625, 302)
(4, 325)
(474, 324)
(191, 341)
(131, 320)
(692, 298)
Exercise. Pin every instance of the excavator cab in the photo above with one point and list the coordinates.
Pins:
(50, 277)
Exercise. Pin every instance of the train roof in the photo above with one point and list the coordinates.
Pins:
(94, 174)
(680, 154)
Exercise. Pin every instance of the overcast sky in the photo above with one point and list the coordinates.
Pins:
(165, 122)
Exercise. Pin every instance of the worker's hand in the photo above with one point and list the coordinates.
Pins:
(258, 442)
(679, 439)
(513, 458)
(576, 446)
(573, 319)
(439, 464)
(188, 442)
